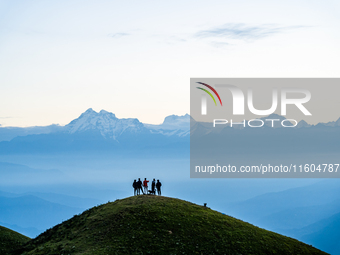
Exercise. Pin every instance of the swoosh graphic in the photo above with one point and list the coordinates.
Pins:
(208, 93)
(212, 90)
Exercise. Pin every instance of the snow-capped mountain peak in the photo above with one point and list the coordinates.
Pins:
(89, 111)
(173, 122)
(171, 119)
(105, 122)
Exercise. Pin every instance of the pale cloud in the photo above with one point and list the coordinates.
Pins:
(117, 35)
(243, 32)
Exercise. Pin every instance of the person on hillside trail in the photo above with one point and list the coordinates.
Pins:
(139, 187)
(158, 186)
(145, 185)
(153, 186)
(134, 185)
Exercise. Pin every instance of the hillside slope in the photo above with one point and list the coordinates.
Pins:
(160, 225)
(9, 240)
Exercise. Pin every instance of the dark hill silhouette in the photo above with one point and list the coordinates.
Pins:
(10, 240)
(160, 225)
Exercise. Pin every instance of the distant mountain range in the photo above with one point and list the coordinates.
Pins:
(8, 133)
(97, 131)
(311, 214)
(103, 131)
(111, 127)
(107, 124)
(33, 212)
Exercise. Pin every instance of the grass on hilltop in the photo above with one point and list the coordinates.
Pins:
(160, 225)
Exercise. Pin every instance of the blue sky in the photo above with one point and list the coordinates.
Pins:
(135, 58)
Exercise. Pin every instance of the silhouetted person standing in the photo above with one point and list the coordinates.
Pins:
(134, 185)
(153, 186)
(158, 186)
(145, 186)
(139, 187)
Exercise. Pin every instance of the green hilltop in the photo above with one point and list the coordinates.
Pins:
(10, 240)
(159, 225)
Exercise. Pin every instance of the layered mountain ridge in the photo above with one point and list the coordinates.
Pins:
(110, 127)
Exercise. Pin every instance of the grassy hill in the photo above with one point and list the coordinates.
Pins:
(10, 240)
(160, 225)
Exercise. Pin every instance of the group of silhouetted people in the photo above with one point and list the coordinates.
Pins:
(139, 186)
